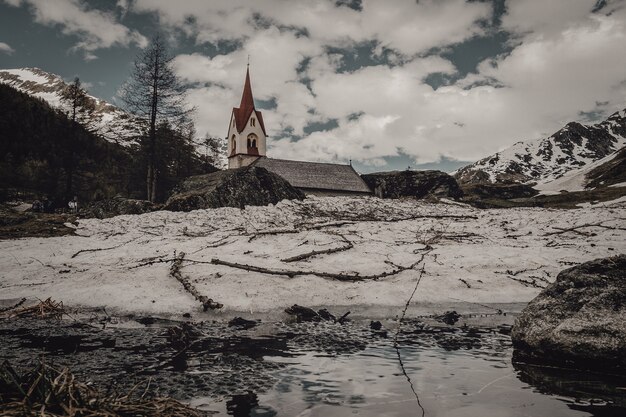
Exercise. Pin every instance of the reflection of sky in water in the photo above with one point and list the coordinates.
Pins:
(371, 383)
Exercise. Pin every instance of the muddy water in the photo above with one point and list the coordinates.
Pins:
(318, 369)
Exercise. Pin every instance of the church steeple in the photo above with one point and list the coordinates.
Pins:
(247, 100)
(246, 132)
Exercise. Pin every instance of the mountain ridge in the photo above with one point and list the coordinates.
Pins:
(544, 160)
(112, 123)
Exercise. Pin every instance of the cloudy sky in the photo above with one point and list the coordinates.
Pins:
(388, 84)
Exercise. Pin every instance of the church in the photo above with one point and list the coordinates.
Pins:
(247, 146)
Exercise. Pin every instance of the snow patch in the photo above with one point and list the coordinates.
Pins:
(123, 263)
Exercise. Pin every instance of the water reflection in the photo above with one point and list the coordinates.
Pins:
(323, 369)
(600, 395)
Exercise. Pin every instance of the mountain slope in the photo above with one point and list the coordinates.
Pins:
(545, 160)
(604, 172)
(112, 123)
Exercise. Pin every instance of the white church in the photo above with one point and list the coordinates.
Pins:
(247, 146)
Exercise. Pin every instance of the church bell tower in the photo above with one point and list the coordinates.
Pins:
(246, 131)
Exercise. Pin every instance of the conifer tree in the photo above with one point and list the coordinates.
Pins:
(155, 93)
(78, 108)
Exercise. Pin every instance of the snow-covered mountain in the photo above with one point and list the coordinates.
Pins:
(114, 124)
(545, 160)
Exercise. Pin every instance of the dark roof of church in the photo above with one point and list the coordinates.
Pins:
(245, 109)
(315, 175)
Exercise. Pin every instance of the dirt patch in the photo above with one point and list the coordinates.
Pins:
(15, 225)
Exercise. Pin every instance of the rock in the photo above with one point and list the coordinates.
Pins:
(326, 315)
(248, 186)
(302, 313)
(420, 184)
(449, 317)
(579, 320)
(241, 323)
(376, 325)
(117, 206)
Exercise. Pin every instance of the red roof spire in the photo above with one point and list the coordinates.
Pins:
(247, 100)
(246, 108)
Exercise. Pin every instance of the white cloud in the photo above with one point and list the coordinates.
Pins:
(565, 60)
(95, 29)
(6, 48)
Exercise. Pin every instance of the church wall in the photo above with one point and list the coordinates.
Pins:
(261, 141)
(241, 140)
(241, 161)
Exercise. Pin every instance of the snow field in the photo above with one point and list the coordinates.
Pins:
(470, 255)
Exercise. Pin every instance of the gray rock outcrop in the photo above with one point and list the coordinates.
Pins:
(249, 186)
(419, 184)
(117, 206)
(579, 320)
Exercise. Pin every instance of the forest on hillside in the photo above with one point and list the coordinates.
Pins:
(40, 147)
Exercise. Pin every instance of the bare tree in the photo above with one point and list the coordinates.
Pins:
(212, 150)
(155, 93)
(79, 108)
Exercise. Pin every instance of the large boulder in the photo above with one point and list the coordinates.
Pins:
(248, 186)
(420, 184)
(579, 320)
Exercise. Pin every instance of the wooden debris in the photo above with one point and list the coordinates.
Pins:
(47, 309)
(348, 245)
(46, 391)
(14, 306)
(331, 275)
(207, 303)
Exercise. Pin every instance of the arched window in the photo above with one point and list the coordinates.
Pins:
(234, 144)
(252, 141)
(252, 122)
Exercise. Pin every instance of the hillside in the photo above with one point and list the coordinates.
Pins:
(112, 123)
(36, 152)
(544, 160)
(38, 147)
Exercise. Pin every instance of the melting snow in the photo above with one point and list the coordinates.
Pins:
(478, 256)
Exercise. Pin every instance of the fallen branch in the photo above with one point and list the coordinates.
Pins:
(526, 283)
(560, 230)
(101, 249)
(152, 261)
(395, 339)
(207, 303)
(44, 310)
(348, 245)
(465, 282)
(323, 225)
(14, 306)
(272, 232)
(291, 274)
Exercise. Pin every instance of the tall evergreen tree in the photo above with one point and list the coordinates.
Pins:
(156, 94)
(79, 108)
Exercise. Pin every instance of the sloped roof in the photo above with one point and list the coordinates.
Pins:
(315, 175)
(245, 109)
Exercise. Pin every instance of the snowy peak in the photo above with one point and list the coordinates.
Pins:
(544, 160)
(112, 123)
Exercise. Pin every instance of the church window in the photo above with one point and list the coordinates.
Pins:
(252, 139)
(234, 144)
(252, 122)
